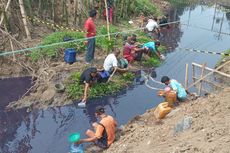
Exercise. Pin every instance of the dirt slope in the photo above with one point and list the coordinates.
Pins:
(209, 131)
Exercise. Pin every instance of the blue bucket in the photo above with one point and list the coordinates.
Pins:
(70, 55)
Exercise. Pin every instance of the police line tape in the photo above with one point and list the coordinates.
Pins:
(203, 51)
(56, 26)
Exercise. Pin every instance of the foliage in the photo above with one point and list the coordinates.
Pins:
(153, 61)
(130, 8)
(146, 7)
(75, 89)
(104, 42)
(57, 37)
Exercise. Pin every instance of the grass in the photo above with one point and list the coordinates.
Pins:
(75, 89)
(56, 37)
(223, 58)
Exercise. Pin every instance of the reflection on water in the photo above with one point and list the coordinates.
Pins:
(46, 131)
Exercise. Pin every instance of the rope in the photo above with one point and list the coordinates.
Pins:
(5, 53)
(147, 77)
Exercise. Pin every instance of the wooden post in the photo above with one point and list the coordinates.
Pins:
(218, 68)
(202, 74)
(193, 73)
(186, 76)
(21, 5)
(107, 18)
(6, 8)
(11, 44)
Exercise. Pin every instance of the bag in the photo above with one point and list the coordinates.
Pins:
(123, 63)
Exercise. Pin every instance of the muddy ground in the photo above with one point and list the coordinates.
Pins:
(209, 131)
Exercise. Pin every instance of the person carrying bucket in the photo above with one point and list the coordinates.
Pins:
(104, 131)
(175, 86)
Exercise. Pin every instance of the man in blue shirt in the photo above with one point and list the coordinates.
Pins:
(153, 48)
(176, 86)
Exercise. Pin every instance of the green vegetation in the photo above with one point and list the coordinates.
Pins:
(57, 37)
(130, 8)
(75, 89)
(146, 7)
(103, 42)
(223, 58)
(154, 61)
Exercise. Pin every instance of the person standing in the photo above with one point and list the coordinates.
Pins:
(90, 29)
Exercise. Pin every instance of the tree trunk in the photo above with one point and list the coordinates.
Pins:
(23, 13)
(57, 11)
(71, 12)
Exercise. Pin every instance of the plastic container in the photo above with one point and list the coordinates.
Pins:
(70, 55)
(76, 148)
(171, 98)
(162, 110)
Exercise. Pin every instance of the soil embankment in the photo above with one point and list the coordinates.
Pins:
(209, 128)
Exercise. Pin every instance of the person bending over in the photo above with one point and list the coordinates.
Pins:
(88, 78)
(152, 47)
(103, 134)
(176, 86)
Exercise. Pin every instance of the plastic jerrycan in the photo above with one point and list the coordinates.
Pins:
(162, 110)
(171, 98)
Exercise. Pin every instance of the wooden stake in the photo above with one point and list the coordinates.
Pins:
(107, 18)
(219, 67)
(193, 72)
(11, 44)
(21, 5)
(6, 8)
(209, 69)
(202, 74)
(186, 76)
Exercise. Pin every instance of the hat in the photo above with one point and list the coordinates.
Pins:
(74, 137)
(100, 109)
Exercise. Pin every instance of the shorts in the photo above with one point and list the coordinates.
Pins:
(101, 144)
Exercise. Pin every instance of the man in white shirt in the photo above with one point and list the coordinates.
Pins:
(152, 26)
(111, 64)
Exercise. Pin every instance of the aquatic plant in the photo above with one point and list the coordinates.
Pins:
(75, 89)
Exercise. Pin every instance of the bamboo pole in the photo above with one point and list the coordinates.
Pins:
(186, 76)
(212, 70)
(202, 74)
(219, 67)
(6, 8)
(23, 13)
(193, 72)
(11, 44)
(210, 82)
(107, 18)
